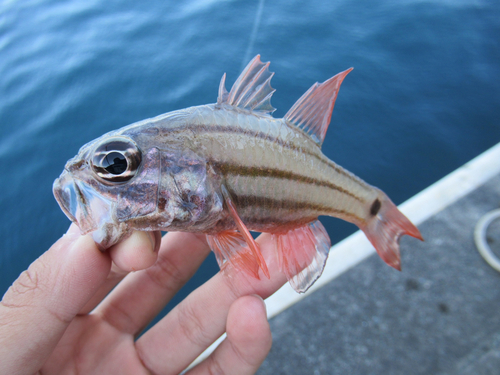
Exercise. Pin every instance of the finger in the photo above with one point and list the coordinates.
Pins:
(247, 343)
(174, 342)
(139, 251)
(41, 303)
(114, 277)
(143, 294)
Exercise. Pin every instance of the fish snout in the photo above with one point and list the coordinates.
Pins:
(75, 164)
(81, 203)
(64, 192)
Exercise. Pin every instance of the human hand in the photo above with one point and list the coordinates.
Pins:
(58, 317)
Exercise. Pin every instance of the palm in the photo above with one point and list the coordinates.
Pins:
(92, 346)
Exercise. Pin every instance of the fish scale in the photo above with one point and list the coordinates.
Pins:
(299, 175)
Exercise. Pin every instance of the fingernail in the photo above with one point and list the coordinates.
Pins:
(73, 232)
(155, 238)
(263, 302)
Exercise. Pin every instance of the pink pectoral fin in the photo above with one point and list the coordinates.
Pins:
(245, 233)
(230, 247)
(302, 254)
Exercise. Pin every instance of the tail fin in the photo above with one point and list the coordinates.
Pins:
(385, 229)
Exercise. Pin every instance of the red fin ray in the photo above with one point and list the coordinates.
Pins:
(302, 254)
(230, 246)
(386, 228)
(313, 111)
(244, 232)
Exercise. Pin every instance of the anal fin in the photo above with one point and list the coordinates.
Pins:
(302, 254)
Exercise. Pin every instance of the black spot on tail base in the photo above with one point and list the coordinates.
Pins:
(375, 208)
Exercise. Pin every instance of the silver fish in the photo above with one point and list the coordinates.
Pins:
(226, 168)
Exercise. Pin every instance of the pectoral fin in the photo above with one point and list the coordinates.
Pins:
(230, 247)
(233, 243)
(302, 254)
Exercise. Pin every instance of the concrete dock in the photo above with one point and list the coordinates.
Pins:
(440, 315)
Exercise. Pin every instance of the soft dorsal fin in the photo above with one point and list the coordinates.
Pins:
(313, 111)
(252, 90)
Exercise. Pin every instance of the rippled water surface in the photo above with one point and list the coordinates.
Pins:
(423, 99)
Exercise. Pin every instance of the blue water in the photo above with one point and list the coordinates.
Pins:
(423, 99)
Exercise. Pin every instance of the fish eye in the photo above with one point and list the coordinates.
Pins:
(115, 163)
(116, 160)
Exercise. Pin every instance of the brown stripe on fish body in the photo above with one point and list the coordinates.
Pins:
(278, 147)
(289, 214)
(240, 170)
(275, 131)
(289, 200)
(200, 121)
(289, 194)
(284, 171)
(264, 127)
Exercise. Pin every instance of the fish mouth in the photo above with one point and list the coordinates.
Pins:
(81, 203)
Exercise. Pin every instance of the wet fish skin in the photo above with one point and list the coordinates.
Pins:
(224, 168)
(273, 169)
(170, 190)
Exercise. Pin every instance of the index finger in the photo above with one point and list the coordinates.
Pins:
(143, 294)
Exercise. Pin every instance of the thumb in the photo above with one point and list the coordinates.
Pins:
(38, 307)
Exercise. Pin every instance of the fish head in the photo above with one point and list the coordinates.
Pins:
(111, 182)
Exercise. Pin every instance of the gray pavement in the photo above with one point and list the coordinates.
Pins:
(441, 315)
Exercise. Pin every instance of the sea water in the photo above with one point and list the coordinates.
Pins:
(423, 99)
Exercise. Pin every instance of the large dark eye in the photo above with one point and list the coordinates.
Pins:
(116, 159)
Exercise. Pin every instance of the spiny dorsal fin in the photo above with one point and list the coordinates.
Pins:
(223, 94)
(252, 90)
(313, 111)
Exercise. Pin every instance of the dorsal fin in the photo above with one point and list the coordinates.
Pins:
(313, 111)
(252, 90)
(223, 94)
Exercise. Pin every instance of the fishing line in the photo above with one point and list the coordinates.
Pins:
(253, 35)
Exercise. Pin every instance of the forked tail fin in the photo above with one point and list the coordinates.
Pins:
(385, 229)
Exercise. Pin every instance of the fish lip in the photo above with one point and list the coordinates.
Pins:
(79, 200)
(63, 190)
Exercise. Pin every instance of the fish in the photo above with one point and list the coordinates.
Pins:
(226, 169)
